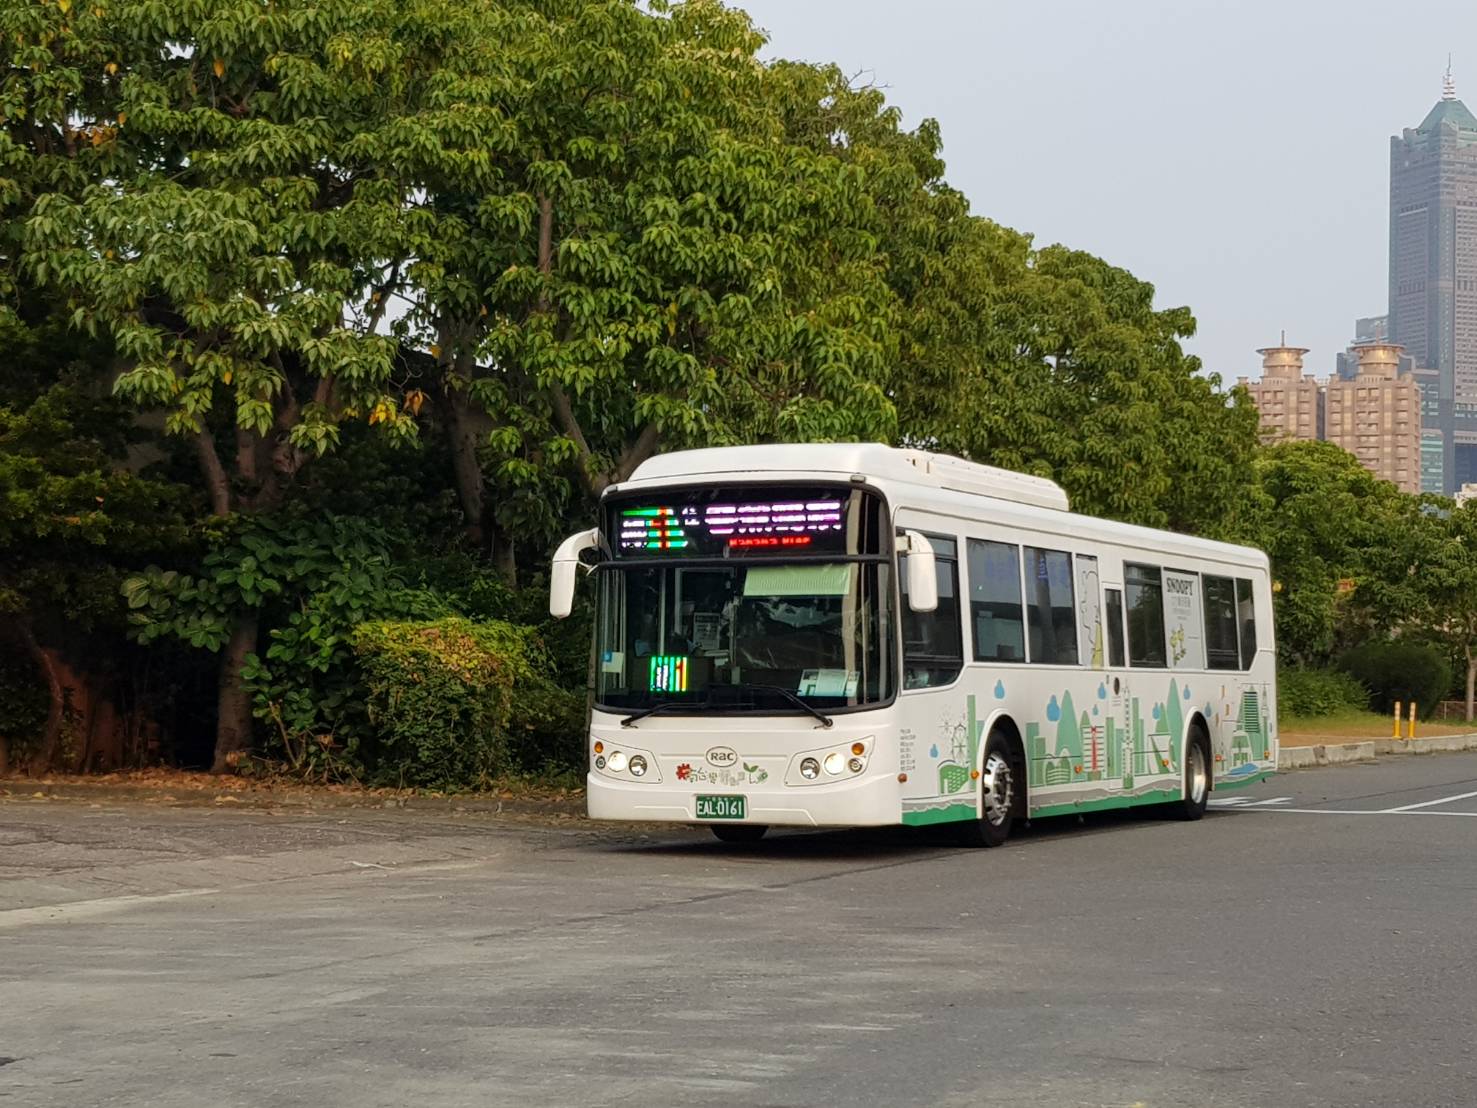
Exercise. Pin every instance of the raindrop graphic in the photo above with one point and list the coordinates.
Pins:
(1102, 692)
(999, 690)
(1157, 709)
(1187, 692)
(1096, 711)
(1053, 710)
(933, 751)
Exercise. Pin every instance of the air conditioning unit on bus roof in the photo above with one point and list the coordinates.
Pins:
(857, 458)
(956, 474)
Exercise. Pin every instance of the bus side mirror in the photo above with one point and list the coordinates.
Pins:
(923, 583)
(566, 561)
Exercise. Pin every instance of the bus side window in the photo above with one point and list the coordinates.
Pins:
(995, 602)
(933, 643)
(1220, 623)
(1115, 627)
(1050, 612)
(1246, 617)
(1145, 585)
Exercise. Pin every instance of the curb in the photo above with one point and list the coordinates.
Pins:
(552, 807)
(1336, 754)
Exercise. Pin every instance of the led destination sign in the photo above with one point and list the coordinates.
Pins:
(717, 528)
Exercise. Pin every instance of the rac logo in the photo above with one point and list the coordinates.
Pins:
(723, 756)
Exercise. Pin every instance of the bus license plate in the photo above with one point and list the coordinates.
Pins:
(721, 807)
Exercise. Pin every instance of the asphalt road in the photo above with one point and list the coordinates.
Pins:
(1309, 944)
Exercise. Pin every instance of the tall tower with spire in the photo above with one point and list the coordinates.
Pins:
(1433, 272)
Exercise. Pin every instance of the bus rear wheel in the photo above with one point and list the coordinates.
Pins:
(1000, 782)
(1197, 777)
(738, 832)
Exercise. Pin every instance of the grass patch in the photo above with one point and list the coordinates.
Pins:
(1356, 726)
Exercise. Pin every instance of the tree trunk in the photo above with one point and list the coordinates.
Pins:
(467, 470)
(233, 724)
(504, 556)
(104, 749)
(56, 711)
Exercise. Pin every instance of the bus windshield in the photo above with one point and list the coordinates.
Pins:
(740, 636)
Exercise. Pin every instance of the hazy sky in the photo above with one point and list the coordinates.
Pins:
(1233, 154)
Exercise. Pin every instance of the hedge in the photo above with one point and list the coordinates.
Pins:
(1402, 671)
(453, 703)
(1310, 693)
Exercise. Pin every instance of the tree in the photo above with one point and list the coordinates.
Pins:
(646, 263)
(1346, 548)
(238, 239)
(1441, 589)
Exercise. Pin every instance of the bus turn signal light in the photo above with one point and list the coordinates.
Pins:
(858, 749)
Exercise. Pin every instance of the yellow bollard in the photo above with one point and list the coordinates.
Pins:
(1411, 735)
(1397, 720)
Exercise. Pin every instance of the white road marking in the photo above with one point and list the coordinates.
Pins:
(1433, 803)
(1356, 812)
(1244, 802)
(85, 909)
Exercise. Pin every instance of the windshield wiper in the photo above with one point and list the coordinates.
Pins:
(669, 705)
(664, 706)
(788, 695)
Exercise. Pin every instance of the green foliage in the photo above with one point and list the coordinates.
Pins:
(1336, 536)
(24, 699)
(260, 563)
(310, 582)
(1311, 693)
(453, 703)
(235, 221)
(70, 513)
(1402, 671)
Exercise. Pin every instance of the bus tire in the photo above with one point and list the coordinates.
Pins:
(1197, 776)
(738, 832)
(1001, 782)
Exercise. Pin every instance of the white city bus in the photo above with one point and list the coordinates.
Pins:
(853, 634)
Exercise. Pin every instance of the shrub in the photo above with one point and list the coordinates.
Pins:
(1309, 693)
(1402, 671)
(452, 703)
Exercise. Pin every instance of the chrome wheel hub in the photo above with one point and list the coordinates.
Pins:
(995, 785)
(1198, 778)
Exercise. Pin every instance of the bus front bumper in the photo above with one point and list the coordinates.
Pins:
(869, 802)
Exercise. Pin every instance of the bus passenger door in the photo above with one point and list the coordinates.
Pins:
(934, 751)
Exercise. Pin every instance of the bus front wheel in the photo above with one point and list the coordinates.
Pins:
(1000, 782)
(738, 832)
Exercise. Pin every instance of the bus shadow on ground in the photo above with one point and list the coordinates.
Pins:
(880, 843)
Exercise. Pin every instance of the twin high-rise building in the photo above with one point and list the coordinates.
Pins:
(1433, 280)
(1404, 399)
(1375, 414)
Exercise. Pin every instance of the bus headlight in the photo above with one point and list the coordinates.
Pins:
(834, 762)
(638, 766)
(810, 769)
(617, 761)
